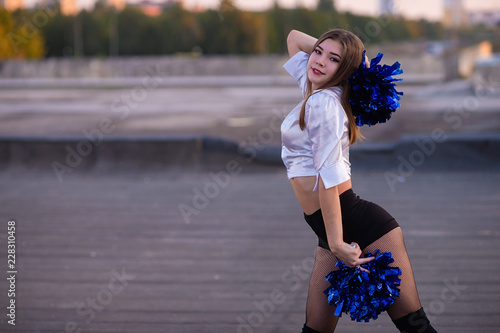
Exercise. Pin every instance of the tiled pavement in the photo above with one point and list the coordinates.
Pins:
(112, 252)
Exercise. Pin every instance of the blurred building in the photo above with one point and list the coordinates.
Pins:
(68, 7)
(152, 8)
(487, 18)
(12, 5)
(455, 15)
(386, 7)
(118, 4)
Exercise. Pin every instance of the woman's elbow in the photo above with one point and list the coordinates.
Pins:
(292, 43)
(291, 37)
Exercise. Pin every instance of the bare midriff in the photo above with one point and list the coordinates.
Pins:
(309, 200)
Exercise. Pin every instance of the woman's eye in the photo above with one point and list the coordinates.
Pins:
(334, 59)
(317, 51)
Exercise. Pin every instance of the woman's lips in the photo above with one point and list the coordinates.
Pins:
(317, 72)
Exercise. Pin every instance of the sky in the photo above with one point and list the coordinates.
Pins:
(429, 9)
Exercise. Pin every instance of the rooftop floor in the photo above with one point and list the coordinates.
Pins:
(112, 252)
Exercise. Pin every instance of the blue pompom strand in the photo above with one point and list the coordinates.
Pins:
(373, 94)
(364, 295)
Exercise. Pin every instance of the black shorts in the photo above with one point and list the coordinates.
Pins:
(363, 222)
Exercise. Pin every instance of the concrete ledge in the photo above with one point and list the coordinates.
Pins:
(431, 152)
(160, 80)
(156, 152)
(164, 80)
(452, 151)
(415, 64)
(142, 66)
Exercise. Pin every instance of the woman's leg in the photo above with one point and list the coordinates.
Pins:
(408, 300)
(319, 314)
(406, 312)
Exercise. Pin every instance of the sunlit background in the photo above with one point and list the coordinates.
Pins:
(200, 43)
(429, 9)
(204, 42)
(50, 28)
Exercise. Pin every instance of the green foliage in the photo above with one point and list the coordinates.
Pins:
(139, 34)
(226, 30)
(326, 5)
(58, 36)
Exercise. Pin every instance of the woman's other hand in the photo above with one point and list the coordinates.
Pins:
(350, 254)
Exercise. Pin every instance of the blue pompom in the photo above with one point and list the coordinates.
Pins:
(364, 295)
(373, 95)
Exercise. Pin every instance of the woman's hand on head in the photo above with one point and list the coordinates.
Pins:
(350, 254)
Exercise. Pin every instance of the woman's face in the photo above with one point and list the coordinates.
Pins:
(324, 62)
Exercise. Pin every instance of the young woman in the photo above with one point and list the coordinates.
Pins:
(316, 136)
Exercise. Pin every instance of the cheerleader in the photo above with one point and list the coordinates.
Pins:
(316, 136)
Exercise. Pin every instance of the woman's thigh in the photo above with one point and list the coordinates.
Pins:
(408, 300)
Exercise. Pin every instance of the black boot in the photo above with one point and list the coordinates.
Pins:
(415, 322)
(307, 329)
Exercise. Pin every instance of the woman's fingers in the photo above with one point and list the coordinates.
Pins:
(358, 261)
(364, 260)
(350, 256)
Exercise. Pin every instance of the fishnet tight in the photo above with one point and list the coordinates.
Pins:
(320, 315)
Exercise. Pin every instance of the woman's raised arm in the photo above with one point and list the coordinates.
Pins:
(299, 41)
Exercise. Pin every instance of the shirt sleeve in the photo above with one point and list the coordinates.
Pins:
(296, 66)
(325, 119)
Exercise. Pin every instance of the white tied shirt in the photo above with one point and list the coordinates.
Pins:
(322, 148)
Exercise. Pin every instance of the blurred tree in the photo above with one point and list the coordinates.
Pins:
(305, 20)
(230, 27)
(414, 29)
(430, 30)
(252, 36)
(326, 5)
(21, 37)
(181, 30)
(210, 25)
(58, 34)
(231, 31)
(6, 30)
(226, 30)
(277, 30)
(94, 31)
(139, 33)
(397, 30)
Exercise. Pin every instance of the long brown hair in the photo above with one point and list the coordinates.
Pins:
(349, 62)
